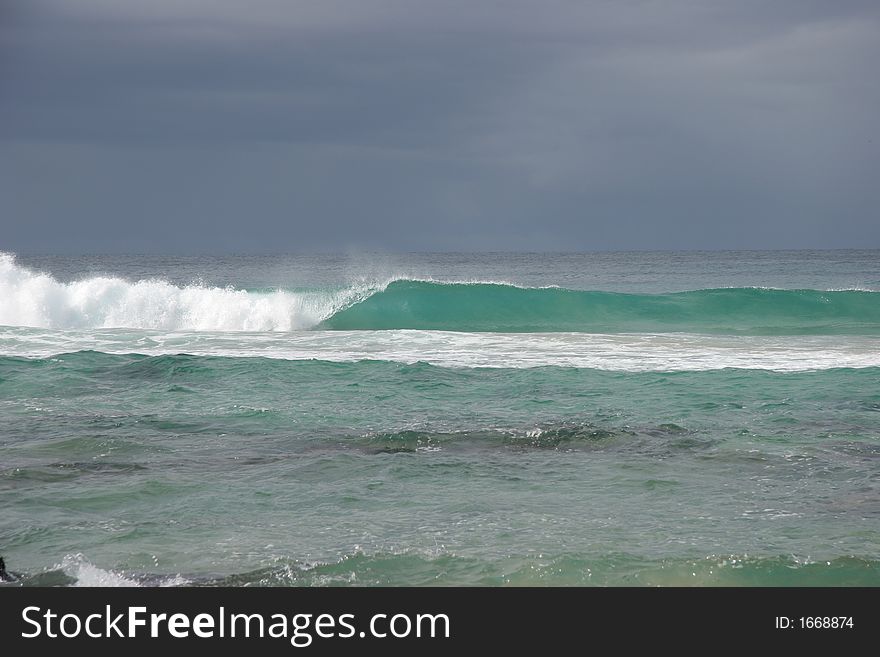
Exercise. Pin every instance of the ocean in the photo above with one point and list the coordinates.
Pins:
(646, 418)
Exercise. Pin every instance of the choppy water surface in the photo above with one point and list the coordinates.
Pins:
(644, 419)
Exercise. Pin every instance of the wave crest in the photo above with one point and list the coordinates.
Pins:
(38, 300)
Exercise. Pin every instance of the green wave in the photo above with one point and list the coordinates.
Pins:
(426, 305)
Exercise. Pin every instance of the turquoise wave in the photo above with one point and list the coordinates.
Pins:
(426, 305)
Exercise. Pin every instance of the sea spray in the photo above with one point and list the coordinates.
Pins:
(34, 299)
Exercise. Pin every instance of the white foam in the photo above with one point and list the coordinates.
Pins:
(621, 352)
(77, 567)
(29, 298)
(87, 574)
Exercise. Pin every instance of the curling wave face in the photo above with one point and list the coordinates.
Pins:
(409, 304)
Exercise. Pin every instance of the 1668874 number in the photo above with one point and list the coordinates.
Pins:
(814, 622)
(825, 622)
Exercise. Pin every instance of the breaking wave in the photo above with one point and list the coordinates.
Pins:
(38, 300)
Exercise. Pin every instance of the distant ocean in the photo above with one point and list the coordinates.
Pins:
(656, 418)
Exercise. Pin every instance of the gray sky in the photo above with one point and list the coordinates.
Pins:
(326, 125)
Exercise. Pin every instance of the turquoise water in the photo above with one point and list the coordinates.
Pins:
(622, 419)
(428, 305)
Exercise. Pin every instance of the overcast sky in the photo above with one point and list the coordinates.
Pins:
(432, 125)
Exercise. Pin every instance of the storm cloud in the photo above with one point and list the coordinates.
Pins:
(284, 126)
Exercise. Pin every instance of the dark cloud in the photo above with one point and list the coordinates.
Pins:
(290, 126)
